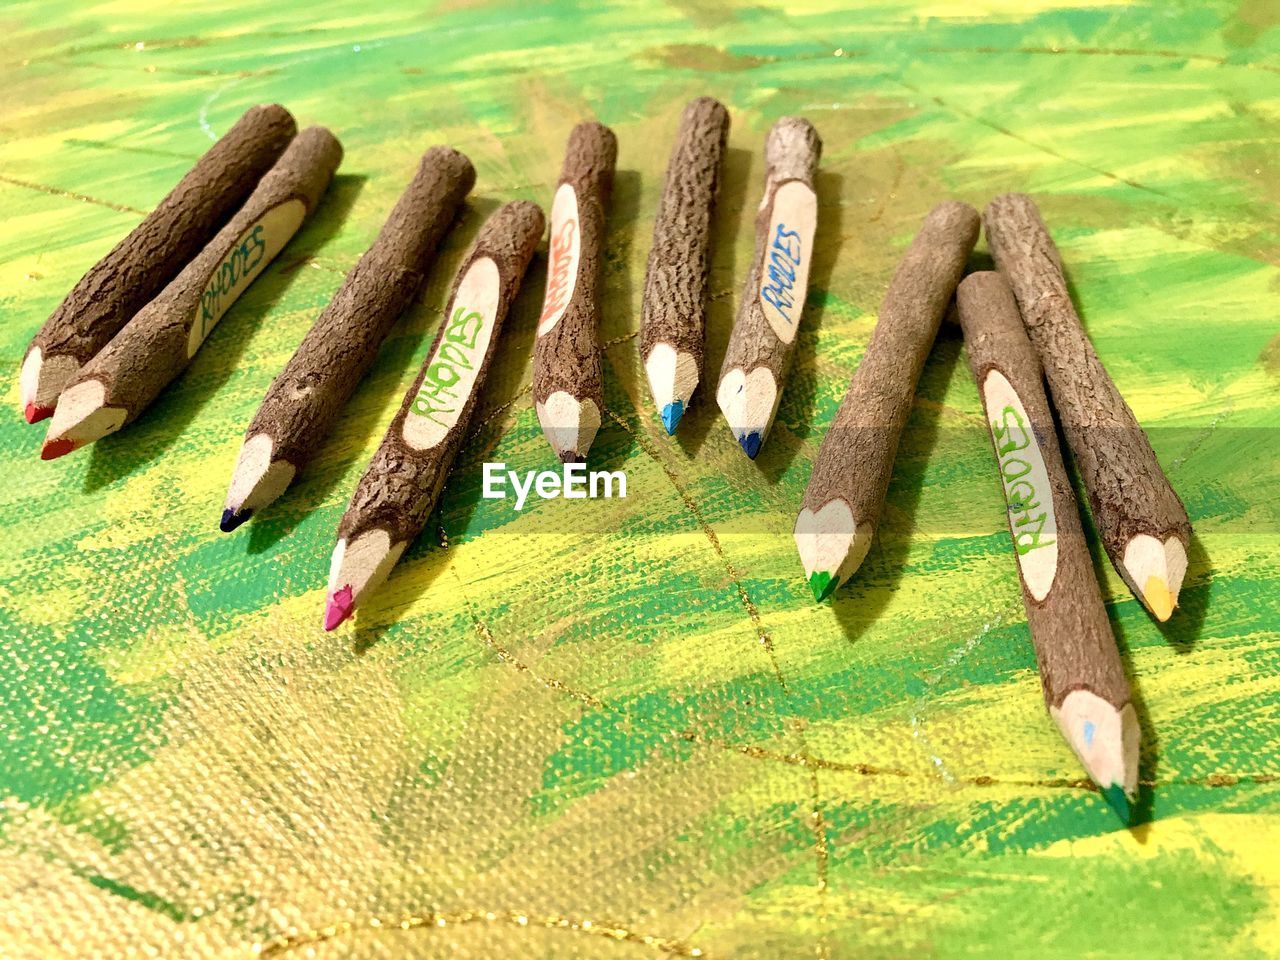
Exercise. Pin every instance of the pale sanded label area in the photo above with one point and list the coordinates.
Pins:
(453, 368)
(1026, 485)
(248, 257)
(562, 258)
(784, 274)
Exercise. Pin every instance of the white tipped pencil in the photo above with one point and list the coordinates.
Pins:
(1081, 673)
(764, 335)
(672, 323)
(1140, 519)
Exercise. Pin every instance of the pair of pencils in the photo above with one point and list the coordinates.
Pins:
(403, 482)
(673, 310)
(154, 345)
(139, 266)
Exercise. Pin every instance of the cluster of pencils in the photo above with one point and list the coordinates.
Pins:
(136, 319)
(1021, 330)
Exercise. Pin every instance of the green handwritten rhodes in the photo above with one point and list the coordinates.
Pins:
(1025, 480)
(456, 354)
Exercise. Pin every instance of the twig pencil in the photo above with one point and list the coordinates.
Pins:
(139, 266)
(845, 496)
(673, 313)
(158, 343)
(1143, 525)
(567, 391)
(403, 481)
(304, 400)
(764, 335)
(1083, 679)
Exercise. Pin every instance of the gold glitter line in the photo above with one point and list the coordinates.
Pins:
(753, 611)
(506, 656)
(1213, 780)
(70, 195)
(1104, 52)
(671, 946)
(617, 340)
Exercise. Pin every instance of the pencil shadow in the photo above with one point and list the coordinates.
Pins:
(355, 425)
(426, 558)
(117, 456)
(796, 412)
(1149, 753)
(858, 604)
(724, 281)
(619, 365)
(1182, 630)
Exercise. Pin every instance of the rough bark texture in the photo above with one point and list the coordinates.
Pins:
(139, 266)
(855, 462)
(303, 402)
(567, 357)
(1075, 647)
(675, 284)
(792, 152)
(1128, 492)
(401, 485)
(152, 348)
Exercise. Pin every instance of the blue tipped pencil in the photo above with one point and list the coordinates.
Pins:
(672, 322)
(764, 335)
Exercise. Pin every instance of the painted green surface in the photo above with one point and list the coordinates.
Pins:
(627, 719)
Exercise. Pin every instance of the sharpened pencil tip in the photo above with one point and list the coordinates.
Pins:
(1159, 598)
(57, 447)
(1118, 801)
(232, 519)
(338, 607)
(750, 444)
(571, 456)
(823, 584)
(671, 415)
(35, 413)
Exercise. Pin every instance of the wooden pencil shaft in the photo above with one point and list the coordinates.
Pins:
(404, 479)
(158, 343)
(304, 400)
(1129, 493)
(673, 309)
(1074, 643)
(773, 297)
(855, 462)
(566, 353)
(140, 265)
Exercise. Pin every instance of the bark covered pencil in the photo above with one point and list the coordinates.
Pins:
(303, 402)
(673, 313)
(845, 495)
(403, 481)
(764, 334)
(568, 392)
(1085, 688)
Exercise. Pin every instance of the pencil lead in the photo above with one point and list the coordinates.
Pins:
(338, 607)
(750, 443)
(571, 456)
(823, 584)
(1158, 597)
(57, 447)
(233, 518)
(671, 415)
(1118, 801)
(34, 412)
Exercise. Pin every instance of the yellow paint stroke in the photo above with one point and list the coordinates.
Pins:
(1251, 841)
